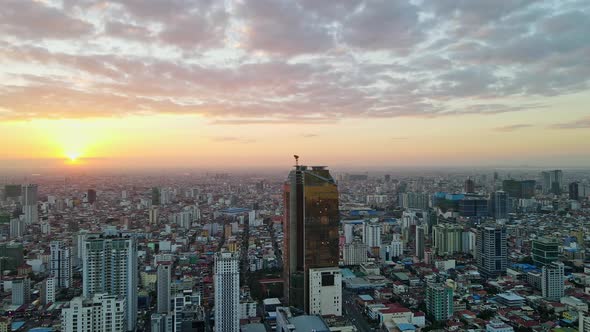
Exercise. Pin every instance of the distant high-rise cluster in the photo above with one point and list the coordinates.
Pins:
(552, 182)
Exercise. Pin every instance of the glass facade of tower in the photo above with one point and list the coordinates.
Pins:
(312, 229)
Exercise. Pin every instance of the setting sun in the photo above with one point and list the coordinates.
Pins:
(73, 156)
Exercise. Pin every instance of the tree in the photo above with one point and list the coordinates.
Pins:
(486, 314)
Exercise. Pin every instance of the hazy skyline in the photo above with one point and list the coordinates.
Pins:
(205, 84)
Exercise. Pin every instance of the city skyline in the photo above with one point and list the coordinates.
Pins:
(426, 83)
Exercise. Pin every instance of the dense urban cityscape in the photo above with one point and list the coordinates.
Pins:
(151, 178)
(313, 250)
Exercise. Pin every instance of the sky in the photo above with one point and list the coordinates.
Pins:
(249, 83)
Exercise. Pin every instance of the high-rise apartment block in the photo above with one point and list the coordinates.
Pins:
(100, 313)
(164, 276)
(60, 264)
(552, 281)
(227, 292)
(29, 201)
(439, 301)
(372, 233)
(110, 266)
(448, 239)
(355, 253)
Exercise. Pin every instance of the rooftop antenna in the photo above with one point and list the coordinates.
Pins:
(296, 160)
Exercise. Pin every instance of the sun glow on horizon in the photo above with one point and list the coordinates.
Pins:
(73, 156)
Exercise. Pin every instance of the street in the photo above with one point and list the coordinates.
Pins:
(350, 309)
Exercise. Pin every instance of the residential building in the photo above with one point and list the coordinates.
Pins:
(439, 301)
(448, 238)
(60, 264)
(227, 292)
(372, 233)
(100, 313)
(355, 253)
(164, 276)
(21, 291)
(110, 266)
(498, 326)
(552, 281)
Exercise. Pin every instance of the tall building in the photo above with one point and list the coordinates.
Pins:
(311, 198)
(396, 248)
(552, 182)
(584, 323)
(188, 314)
(348, 232)
(448, 239)
(162, 323)
(439, 301)
(420, 239)
(325, 291)
(372, 233)
(100, 313)
(491, 251)
(29, 200)
(499, 205)
(91, 196)
(414, 200)
(355, 253)
(60, 264)
(110, 266)
(12, 191)
(469, 187)
(164, 276)
(545, 250)
(156, 196)
(227, 292)
(473, 206)
(519, 189)
(11, 256)
(552, 281)
(574, 191)
(17, 228)
(48, 290)
(154, 213)
(21, 291)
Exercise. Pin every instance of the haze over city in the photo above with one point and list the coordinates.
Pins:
(294, 165)
(244, 84)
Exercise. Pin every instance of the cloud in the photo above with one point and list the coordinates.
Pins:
(400, 138)
(282, 27)
(283, 62)
(512, 127)
(35, 20)
(384, 24)
(578, 124)
(232, 139)
(309, 135)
